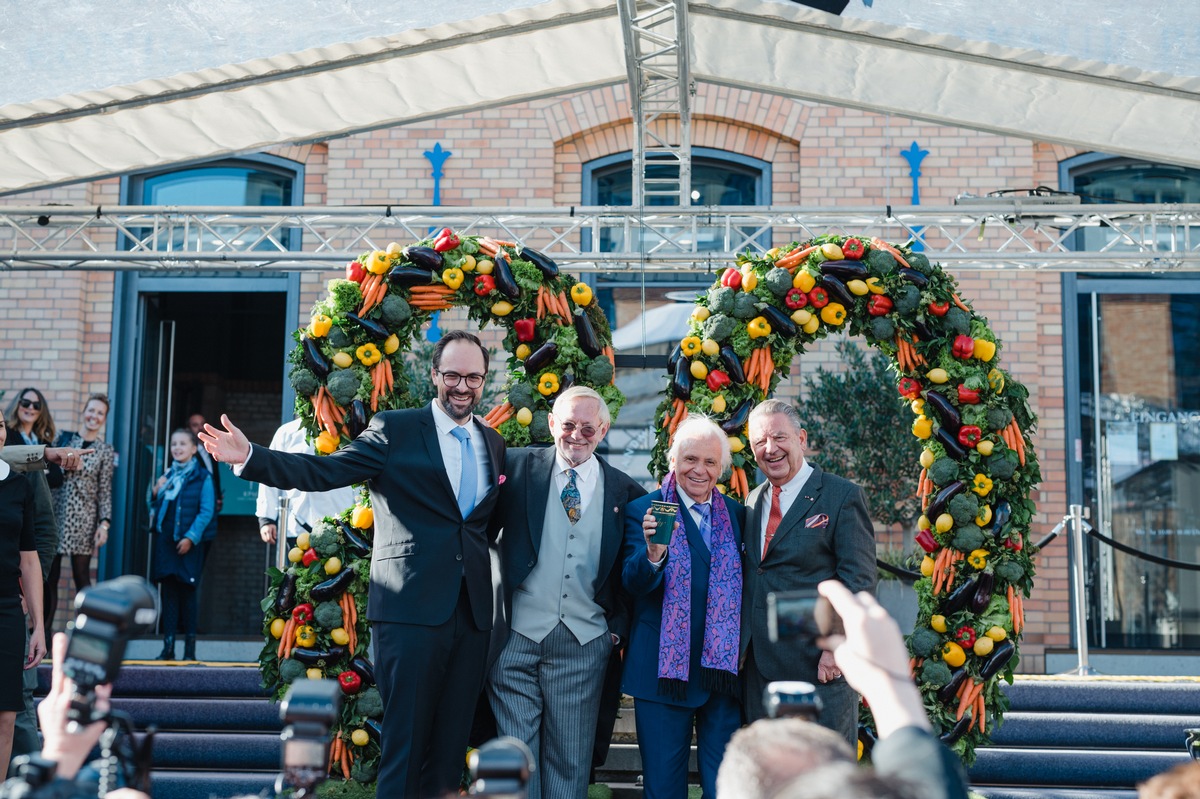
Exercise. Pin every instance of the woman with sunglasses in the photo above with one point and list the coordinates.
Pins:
(84, 503)
(30, 423)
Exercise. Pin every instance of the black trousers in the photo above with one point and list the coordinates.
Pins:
(430, 678)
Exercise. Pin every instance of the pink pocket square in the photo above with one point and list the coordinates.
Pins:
(820, 520)
(500, 482)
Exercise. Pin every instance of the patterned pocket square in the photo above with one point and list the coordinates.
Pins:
(820, 520)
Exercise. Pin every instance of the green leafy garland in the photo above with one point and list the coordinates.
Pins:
(349, 364)
(978, 467)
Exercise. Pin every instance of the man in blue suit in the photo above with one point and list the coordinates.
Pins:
(681, 665)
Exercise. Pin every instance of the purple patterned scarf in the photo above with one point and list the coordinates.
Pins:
(722, 612)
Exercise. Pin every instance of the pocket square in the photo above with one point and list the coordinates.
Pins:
(820, 520)
(500, 482)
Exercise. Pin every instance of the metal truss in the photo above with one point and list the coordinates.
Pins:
(656, 57)
(1003, 235)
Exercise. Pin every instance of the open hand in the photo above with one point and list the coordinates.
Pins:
(229, 445)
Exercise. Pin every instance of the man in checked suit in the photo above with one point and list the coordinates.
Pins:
(803, 526)
(434, 475)
(562, 510)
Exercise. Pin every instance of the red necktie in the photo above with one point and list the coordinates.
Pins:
(773, 518)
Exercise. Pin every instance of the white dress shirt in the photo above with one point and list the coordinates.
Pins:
(787, 496)
(307, 507)
(587, 477)
(452, 452)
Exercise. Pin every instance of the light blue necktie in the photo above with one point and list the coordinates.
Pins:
(571, 499)
(466, 484)
(705, 526)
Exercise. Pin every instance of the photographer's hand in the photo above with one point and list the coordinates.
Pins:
(68, 750)
(874, 660)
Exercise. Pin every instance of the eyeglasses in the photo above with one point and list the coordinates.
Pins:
(30, 404)
(570, 427)
(452, 379)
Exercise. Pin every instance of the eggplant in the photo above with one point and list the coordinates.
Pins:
(998, 659)
(950, 690)
(314, 359)
(947, 493)
(355, 542)
(983, 592)
(589, 342)
(734, 424)
(505, 282)
(673, 358)
(779, 321)
(960, 597)
(363, 668)
(333, 587)
(427, 258)
(546, 265)
(950, 444)
(681, 383)
(948, 415)
(950, 737)
(913, 276)
(285, 599)
(837, 290)
(1000, 518)
(733, 364)
(311, 657)
(844, 270)
(409, 276)
(922, 330)
(356, 418)
(540, 358)
(370, 327)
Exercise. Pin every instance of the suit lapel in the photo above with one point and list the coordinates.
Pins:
(537, 493)
(810, 492)
(612, 532)
(693, 533)
(751, 534)
(433, 448)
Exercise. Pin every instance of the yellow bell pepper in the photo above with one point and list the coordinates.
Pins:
(368, 354)
(978, 558)
(981, 485)
(362, 517)
(548, 384)
(453, 277)
(378, 262)
(874, 286)
(953, 655)
(996, 380)
(804, 281)
(758, 327)
(325, 442)
(833, 314)
(690, 346)
(922, 427)
(581, 294)
(306, 635)
(319, 326)
(314, 673)
(984, 350)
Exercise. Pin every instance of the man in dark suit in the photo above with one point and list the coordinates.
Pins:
(681, 667)
(434, 475)
(803, 526)
(562, 511)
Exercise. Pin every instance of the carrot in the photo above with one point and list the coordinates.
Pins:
(541, 302)
(921, 484)
(345, 760)
(487, 247)
(883, 245)
(795, 257)
(1020, 625)
(1012, 610)
(965, 700)
(431, 288)
(288, 631)
(1019, 439)
(768, 370)
(939, 570)
(959, 303)
(389, 376)
(564, 310)
(962, 688)
(982, 717)
(333, 751)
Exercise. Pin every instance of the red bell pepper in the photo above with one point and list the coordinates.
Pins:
(965, 635)
(967, 396)
(819, 297)
(853, 249)
(485, 285)
(355, 271)
(303, 613)
(939, 308)
(926, 541)
(1013, 544)
(795, 299)
(731, 278)
(525, 329)
(878, 305)
(969, 435)
(909, 387)
(310, 557)
(717, 380)
(964, 347)
(446, 240)
(350, 682)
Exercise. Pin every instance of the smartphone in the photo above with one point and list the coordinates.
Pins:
(802, 614)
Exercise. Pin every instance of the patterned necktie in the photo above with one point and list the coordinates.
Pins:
(466, 484)
(570, 497)
(773, 518)
(703, 509)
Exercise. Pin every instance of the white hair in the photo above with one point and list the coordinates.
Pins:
(696, 427)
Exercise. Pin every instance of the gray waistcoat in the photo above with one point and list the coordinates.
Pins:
(562, 585)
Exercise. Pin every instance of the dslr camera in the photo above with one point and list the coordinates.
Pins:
(500, 769)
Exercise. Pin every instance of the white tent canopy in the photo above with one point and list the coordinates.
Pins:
(491, 53)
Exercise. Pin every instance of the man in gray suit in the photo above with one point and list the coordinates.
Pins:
(803, 526)
(562, 510)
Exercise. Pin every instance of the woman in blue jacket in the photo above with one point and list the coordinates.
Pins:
(183, 504)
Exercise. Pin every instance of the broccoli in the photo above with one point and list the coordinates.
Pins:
(324, 539)
(720, 300)
(369, 703)
(291, 669)
(907, 299)
(957, 321)
(328, 615)
(919, 262)
(539, 428)
(1001, 467)
(924, 642)
(779, 281)
(998, 418)
(882, 328)
(943, 471)
(1008, 571)
(967, 538)
(338, 338)
(345, 296)
(935, 673)
(394, 310)
(304, 381)
(599, 372)
(880, 261)
(964, 507)
(520, 395)
(719, 327)
(745, 306)
(343, 385)
(364, 772)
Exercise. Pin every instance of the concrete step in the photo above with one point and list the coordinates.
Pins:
(1067, 767)
(1094, 730)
